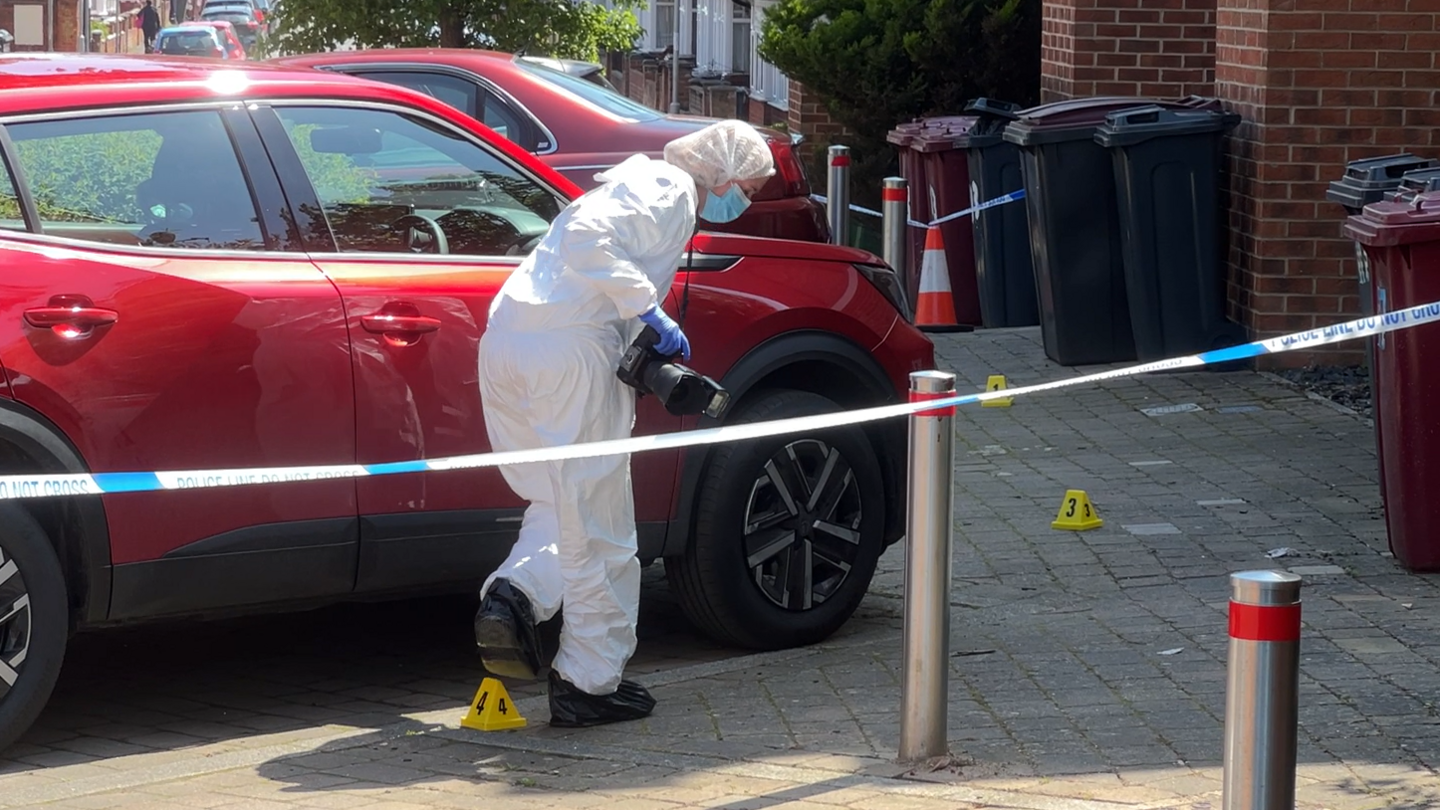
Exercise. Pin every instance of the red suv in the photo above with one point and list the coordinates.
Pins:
(218, 268)
(574, 125)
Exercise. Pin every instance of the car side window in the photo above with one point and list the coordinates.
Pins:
(453, 90)
(167, 179)
(390, 182)
(499, 116)
(473, 99)
(12, 217)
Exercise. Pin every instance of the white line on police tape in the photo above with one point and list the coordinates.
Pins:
(44, 486)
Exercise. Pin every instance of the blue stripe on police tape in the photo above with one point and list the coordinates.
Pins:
(52, 485)
(127, 482)
(394, 467)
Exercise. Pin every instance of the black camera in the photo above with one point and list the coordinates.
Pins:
(682, 390)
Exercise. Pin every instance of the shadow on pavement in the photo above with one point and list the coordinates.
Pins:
(177, 685)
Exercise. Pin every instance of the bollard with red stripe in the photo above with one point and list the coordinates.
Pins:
(895, 231)
(1262, 691)
(929, 526)
(837, 195)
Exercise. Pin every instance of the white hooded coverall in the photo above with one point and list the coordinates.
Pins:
(548, 358)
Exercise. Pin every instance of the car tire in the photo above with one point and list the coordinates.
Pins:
(34, 621)
(766, 572)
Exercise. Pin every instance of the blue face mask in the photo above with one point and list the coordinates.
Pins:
(725, 207)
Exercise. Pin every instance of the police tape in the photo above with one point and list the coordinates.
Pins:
(47, 486)
(915, 223)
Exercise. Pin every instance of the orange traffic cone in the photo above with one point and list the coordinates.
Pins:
(935, 311)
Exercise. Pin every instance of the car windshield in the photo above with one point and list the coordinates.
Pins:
(607, 100)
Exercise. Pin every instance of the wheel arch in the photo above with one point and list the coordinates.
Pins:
(30, 443)
(821, 363)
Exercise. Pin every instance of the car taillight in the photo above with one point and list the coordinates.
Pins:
(259, 16)
(887, 281)
(788, 167)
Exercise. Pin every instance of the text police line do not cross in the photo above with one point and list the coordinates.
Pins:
(15, 487)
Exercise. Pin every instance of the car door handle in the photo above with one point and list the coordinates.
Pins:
(70, 321)
(400, 323)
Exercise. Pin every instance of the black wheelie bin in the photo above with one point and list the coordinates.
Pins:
(1004, 271)
(1167, 165)
(1074, 221)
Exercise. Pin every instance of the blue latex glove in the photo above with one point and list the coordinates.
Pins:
(672, 339)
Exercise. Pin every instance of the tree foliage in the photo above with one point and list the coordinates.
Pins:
(877, 63)
(560, 28)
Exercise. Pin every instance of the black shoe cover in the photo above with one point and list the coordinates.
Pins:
(572, 708)
(506, 634)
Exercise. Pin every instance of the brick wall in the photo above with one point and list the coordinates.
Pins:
(1127, 47)
(809, 116)
(1332, 82)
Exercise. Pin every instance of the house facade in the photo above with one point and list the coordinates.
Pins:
(721, 71)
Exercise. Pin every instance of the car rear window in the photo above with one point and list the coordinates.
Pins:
(607, 100)
(230, 17)
(186, 41)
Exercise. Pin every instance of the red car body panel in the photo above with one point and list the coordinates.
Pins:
(263, 360)
(588, 140)
(218, 361)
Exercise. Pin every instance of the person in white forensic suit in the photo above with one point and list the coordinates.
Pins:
(548, 361)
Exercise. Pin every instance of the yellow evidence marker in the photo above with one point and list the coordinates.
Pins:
(1077, 513)
(492, 709)
(996, 382)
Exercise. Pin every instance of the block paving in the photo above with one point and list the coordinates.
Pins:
(1087, 668)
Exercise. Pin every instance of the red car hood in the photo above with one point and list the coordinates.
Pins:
(758, 246)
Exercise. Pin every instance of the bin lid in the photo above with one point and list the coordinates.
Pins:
(1076, 119)
(942, 134)
(1366, 181)
(1140, 124)
(1403, 222)
(993, 116)
(1419, 181)
(904, 133)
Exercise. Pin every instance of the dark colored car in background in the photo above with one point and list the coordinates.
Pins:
(574, 125)
(191, 41)
(214, 266)
(213, 38)
(242, 16)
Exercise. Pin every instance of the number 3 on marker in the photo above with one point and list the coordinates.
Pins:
(1071, 511)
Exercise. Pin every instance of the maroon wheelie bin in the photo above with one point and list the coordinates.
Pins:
(1402, 242)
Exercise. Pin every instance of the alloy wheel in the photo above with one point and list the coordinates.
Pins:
(15, 618)
(802, 525)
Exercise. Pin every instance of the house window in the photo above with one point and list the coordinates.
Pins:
(664, 23)
(740, 42)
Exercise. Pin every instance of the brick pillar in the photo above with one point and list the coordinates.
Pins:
(1317, 87)
(1128, 48)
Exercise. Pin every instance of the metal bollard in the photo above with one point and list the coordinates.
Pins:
(837, 195)
(925, 683)
(894, 223)
(1262, 691)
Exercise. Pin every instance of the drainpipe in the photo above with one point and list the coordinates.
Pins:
(50, 25)
(675, 64)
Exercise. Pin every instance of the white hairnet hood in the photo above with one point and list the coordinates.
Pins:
(722, 152)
